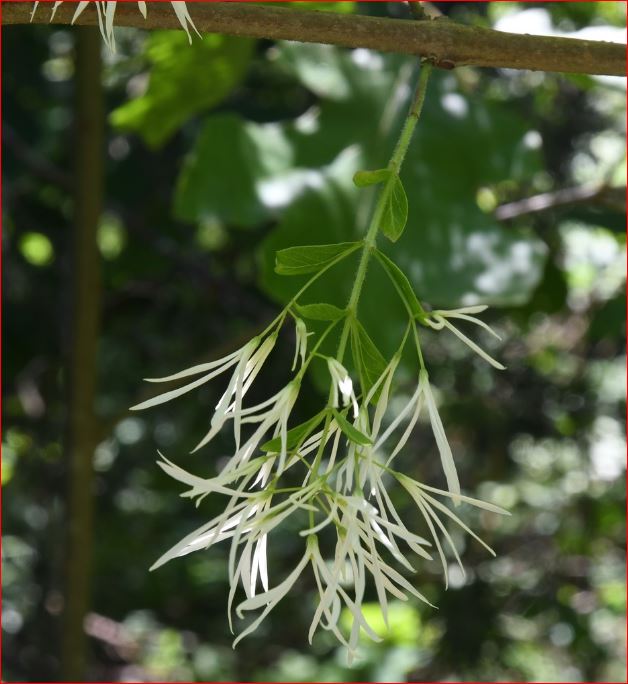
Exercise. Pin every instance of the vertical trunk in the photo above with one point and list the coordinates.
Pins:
(82, 364)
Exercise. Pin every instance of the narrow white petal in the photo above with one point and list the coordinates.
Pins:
(391, 428)
(179, 474)
(110, 10)
(173, 394)
(34, 10)
(472, 345)
(357, 614)
(264, 473)
(270, 598)
(408, 431)
(417, 495)
(447, 536)
(321, 525)
(456, 519)
(79, 9)
(378, 578)
(478, 308)
(403, 582)
(193, 536)
(99, 11)
(477, 321)
(334, 451)
(330, 605)
(382, 402)
(142, 8)
(274, 400)
(54, 10)
(256, 362)
(233, 585)
(426, 516)
(239, 393)
(263, 561)
(356, 409)
(467, 499)
(249, 569)
(447, 458)
(181, 10)
(224, 364)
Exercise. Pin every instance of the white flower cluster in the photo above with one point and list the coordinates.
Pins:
(331, 472)
(106, 12)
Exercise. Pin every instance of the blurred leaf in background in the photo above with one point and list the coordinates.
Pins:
(177, 88)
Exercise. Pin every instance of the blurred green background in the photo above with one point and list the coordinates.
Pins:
(216, 155)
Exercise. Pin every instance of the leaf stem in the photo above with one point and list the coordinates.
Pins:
(394, 165)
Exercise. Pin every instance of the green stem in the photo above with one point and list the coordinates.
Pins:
(394, 165)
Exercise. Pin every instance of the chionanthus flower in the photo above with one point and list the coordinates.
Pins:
(331, 471)
(439, 319)
(341, 382)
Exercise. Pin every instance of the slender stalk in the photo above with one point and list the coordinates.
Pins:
(394, 165)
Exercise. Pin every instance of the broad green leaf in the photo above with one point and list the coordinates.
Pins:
(311, 258)
(222, 176)
(296, 436)
(395, 214)
(367, 357)
(321, 312)
(350, 431)
(402, 285)
(363, 179)
(184, 79)
(300, 177)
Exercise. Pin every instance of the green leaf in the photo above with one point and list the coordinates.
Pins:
(368, 359)
(452, 252)
(402, 285)
(395, 214)
(350, 431)
(184, 79)
(296, 436)
(311, 258)
(365, 178)
(321, 312)
(222, 174)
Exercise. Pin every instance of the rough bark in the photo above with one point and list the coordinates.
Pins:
(444, 42)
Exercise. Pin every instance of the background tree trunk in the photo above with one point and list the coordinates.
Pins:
(82, 363)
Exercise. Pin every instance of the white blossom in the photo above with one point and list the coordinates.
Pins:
(428, 506)
(272, 414)
(300, 348)
(343, 383)
(423, 394)
(347, 466)
(246, 362)
(439, 319)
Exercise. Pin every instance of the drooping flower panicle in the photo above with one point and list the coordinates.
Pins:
(332, 472)
(346, 464)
